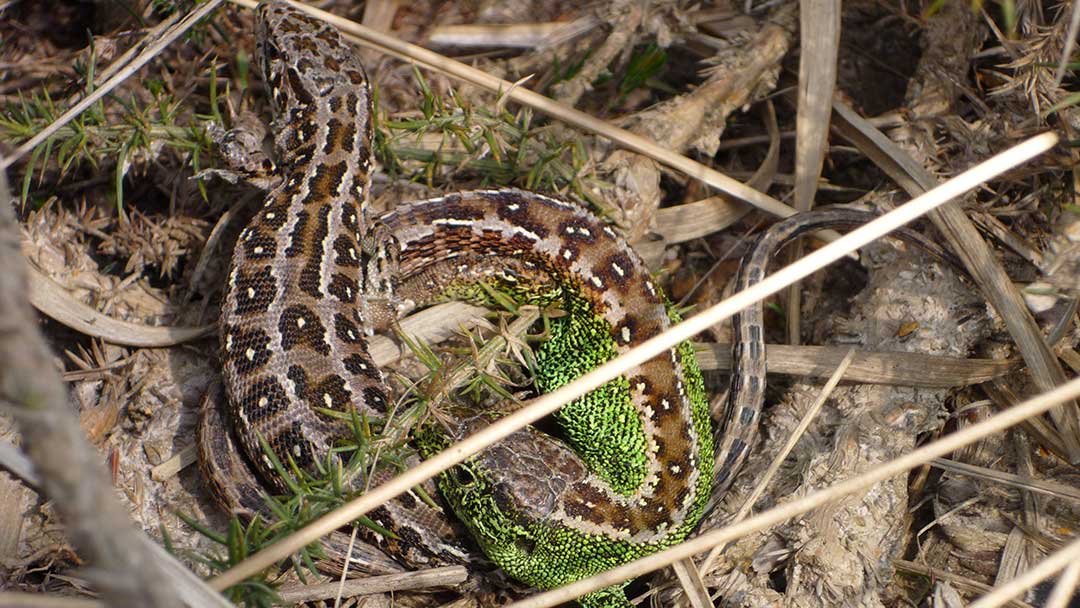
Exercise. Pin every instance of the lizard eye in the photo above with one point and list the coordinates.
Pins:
(270, 52)
(463, 476)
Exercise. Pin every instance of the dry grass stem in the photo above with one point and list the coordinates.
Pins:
(817, 84)
(55, 302)
(796, 434)
(415, 54)
(1040, 572)
(1048, 488)
(692, 584)
(105, 88)
(870, 367)
(435, 577)
(960, 582)
(1065, 587)
(11, 599)
(510, 35)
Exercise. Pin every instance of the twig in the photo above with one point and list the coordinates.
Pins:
(123, 570)
(434, 577)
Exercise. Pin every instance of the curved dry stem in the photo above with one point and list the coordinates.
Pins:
(419, 55)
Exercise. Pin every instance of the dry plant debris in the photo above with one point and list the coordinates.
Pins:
(110, 213)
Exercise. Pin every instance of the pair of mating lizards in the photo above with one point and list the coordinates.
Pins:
(313, 271)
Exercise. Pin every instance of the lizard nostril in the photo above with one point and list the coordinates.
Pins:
(525, 545)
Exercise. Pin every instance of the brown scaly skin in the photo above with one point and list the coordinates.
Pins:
(292, 321)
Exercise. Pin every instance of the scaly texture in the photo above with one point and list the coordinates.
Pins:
(291, 331)
(292, 320)
(637, 471)
(310, 264)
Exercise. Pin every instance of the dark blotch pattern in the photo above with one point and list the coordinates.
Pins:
(346, 330)
(350, 219)
(325, 183)
(296, 237)
(312, 270)
(583, 510)
(457, 212)
(375, 399)
(359, 365)
(517, 213)
(573, 248)
(260, 246)
(329, 392)
(355, 77)
(254, 292)
(345, 253)
(334, 130)
(343, 288)
(302, 453)
(300, 94)
(620, 277)
(407, 500)
(250, 350)
(347, 139)
(629, 327)
(300, 326)
(265, 399)
(327, 36)
(301, 157)
(579, 229)
(299, 378)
